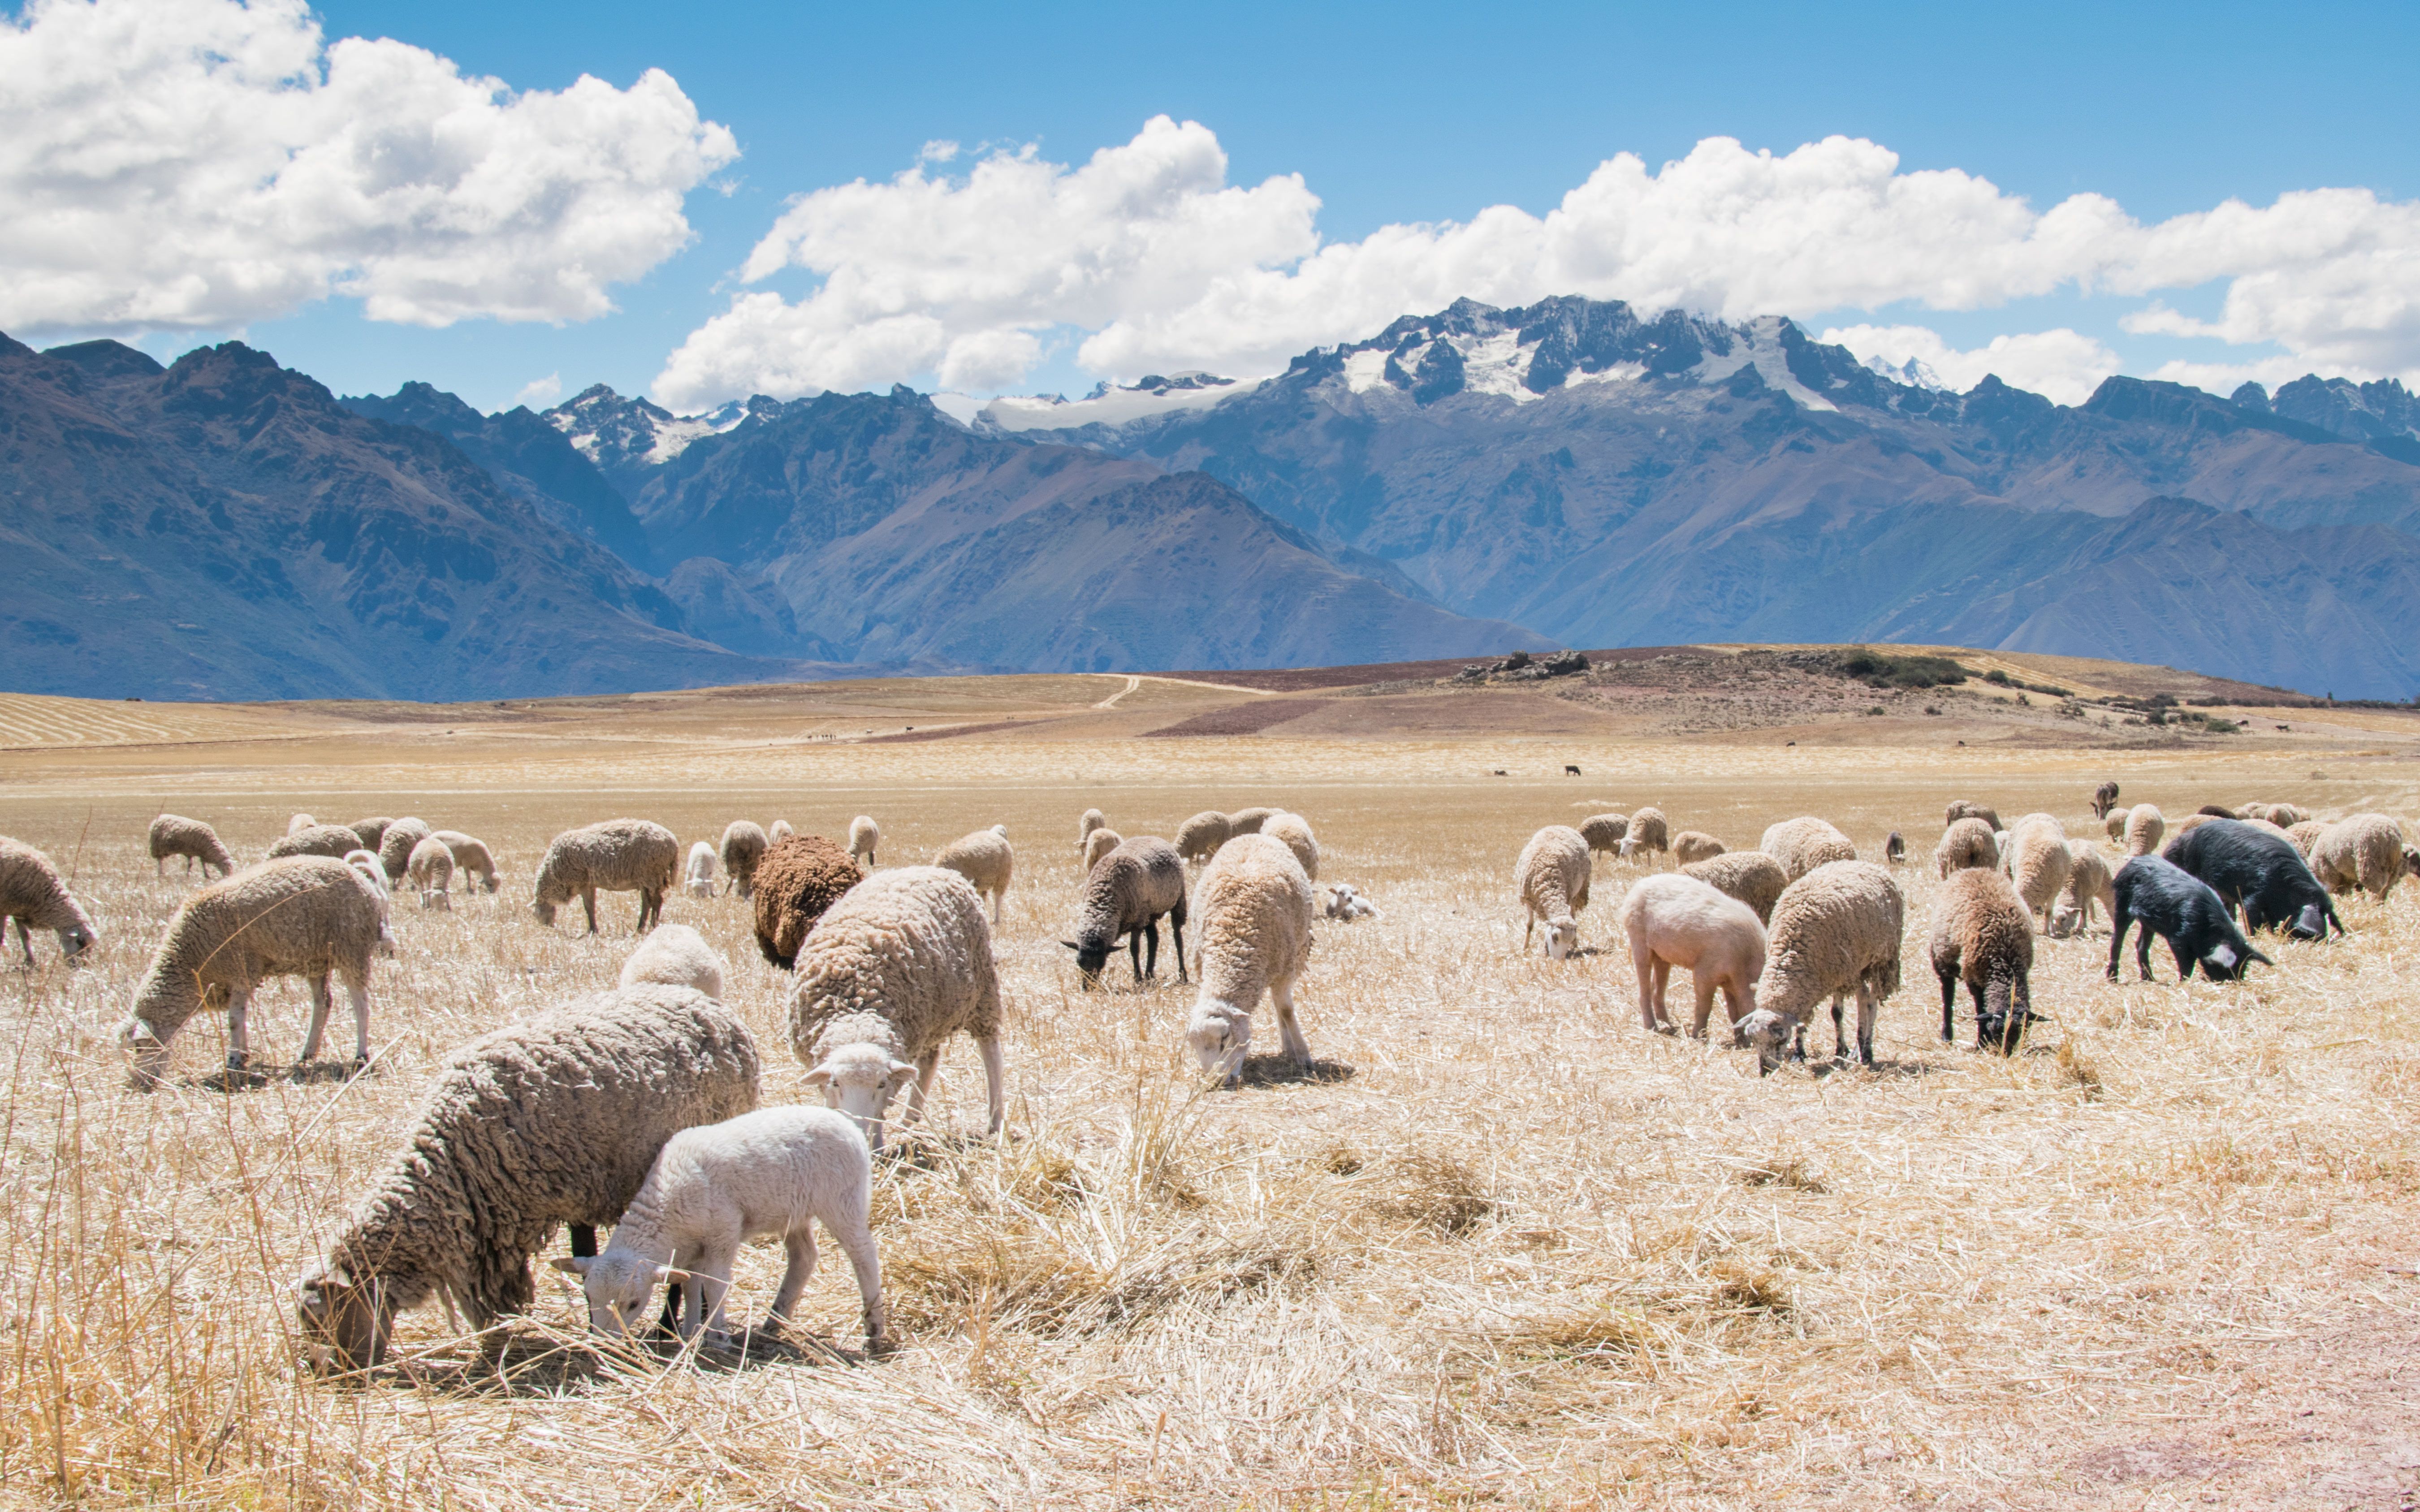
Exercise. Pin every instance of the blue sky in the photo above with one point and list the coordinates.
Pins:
(1403, 113)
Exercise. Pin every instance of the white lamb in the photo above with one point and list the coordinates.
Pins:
(430, 870)
(863, 836)
(1551, 877)
(1677, 920)
(768, 1174)
(697, 878)
(1345, 903)
(675, 955)
(1253, 910)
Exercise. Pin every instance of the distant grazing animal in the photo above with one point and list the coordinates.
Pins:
(366, 863)
(2181, 909)
(1248, 821)
(430, 870)
(1126, 896)
(1983, 935)
(1691, 846)
(1805, 843)
(1968, 843)
(2365, 852)
(2037, 860)
(1551, 880)
(1294, 831)
(986, 859)
(176, 835)
(863, 836)
(296, 824)
(796, 883)
(370, 832)
(1895, 848)
(619, 855)
(1962, 809)
(2087, 882)
(2145, 825)
(2104, 798)
(336, 841)
(697, 877)
(743, 847)
(2305, 837)
(395, 846)
(470, 856)
(2216, 810)
(675, 955)
(778, 831)
(1571, 771)
(901, 963)
(1099, 843)
(1647, 832)
(33, 893)
(1198, 837)
(1673, 919)
(1605, 831)
(1093, 819)
(1254, 939)
(2258, 870)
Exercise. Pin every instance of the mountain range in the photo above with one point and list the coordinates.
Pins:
(1468, 483)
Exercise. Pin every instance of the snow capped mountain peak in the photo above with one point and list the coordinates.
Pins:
(613, 432)
(1915, 373)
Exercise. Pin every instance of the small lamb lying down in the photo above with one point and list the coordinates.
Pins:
(765, 1173)
(1345, 903)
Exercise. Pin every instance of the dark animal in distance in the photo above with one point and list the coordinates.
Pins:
(1571, 771)
(2104, 799)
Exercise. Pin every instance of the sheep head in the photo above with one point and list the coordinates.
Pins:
(859, 1081)
(1092, 956)
(1562, 936)
(345, 1321)
(2229, 958)
(1219, 1033)
(618, 1285)
(1768, 1032)
(2312, 924)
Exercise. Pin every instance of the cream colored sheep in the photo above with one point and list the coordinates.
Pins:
(1293, 831)
(2305, 837)
(1982, 936)
(1093, 819)
(2116, 825)
(1836, 930)
(778, 831)
(1247, 821)
(1676, 921)
(2145, 825)
(865, 835)
(1964, 809)
(1753, 877)
(987, 860)
(1253, 938)
(675, 955)
(1691, 846)
(1099, 843)
(33, 893)
(430, 868)
(2089, 882)
(743, 847)
(394, 847)
(2038, 864)
(1966, 844)
(176, 835)
(1805, 843)
(471, 856)
(619, 855)
(1647, 832)
(296, 824)
(697, 877)
(2364, 851)
(1606, 832)
(1552, 879)
(1198, 837)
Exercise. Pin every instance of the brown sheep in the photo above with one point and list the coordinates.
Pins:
(796, 881)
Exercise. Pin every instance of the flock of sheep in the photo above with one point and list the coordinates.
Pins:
(638, 1108)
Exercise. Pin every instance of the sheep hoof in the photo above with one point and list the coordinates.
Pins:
(236, 1062)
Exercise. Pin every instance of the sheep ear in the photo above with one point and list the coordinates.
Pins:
(1071, 945)
(902, 1068)
(820, 1076)
(673, 1273)
(575, 1264)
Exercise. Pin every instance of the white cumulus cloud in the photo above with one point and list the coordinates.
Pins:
(1151, 260)
(204, 164)
(2063, 365)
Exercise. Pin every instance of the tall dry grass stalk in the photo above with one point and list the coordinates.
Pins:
(1502, 1246)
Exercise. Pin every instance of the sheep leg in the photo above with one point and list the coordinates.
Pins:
(1869, 1009)
(1149, 933)
(583, 1242)
(2143, 952)
(321, 1001)
(801, 1243)
(926, 1064)
(588, 901)
(1949, 1003)
(24, 937)
(714, 1282)
(1704, 983)
(1528, 930)
(855, 1237)
(1645, 960)
(1290, 1035)
(1840, 1034)
(995, 1094)
(239, 1042)
(651, 907)
(1176, 929)
(357, 990)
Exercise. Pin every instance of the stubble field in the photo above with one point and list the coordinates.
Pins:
(1502, 1246)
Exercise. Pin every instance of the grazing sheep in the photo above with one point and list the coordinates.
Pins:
(986, 861)
(2115, 823)
(1099, 843)
(2038, 861)
(1753, 877)
(1983, 937)
(430, 868)
(296, 824)
(395, 846)
(1254, 938)
(1293, 831)
(1803, 844)
(1093, 819)
(302, 915)
(675, 955)
(1691, 846)
(1606, 832)
(1198, 837)
(1647, 832)
(366, 863)
(1836, 930)
(743, 848)
(1123, 898)
(1965, 808)
(894, 968)
(336, 841)
(771, 1174)
(697, 876)
(796, 883)
(470, 856)
(2216, 810)
(619, 855)
(1677, 920)
(2364, 851)
(1895, 848)
(2144, 828)
(176, 835)
(863, 836)
(1247, 821)
(778, 831)
(2087, 883)
(2286, 815)
(32, 894)
(2104, 798)
(555, 1118)
(2181, 909)
(371, 833)
(1347, 905)
(2305, 837)
(1968, 843)
(2258, 870)
(1552, 879)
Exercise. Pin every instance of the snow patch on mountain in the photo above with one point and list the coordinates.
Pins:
(1108, 405)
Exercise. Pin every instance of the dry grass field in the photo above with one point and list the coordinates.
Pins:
(1503, 1246)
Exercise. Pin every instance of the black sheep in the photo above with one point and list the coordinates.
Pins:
(2260, 872)
(2181, 909)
